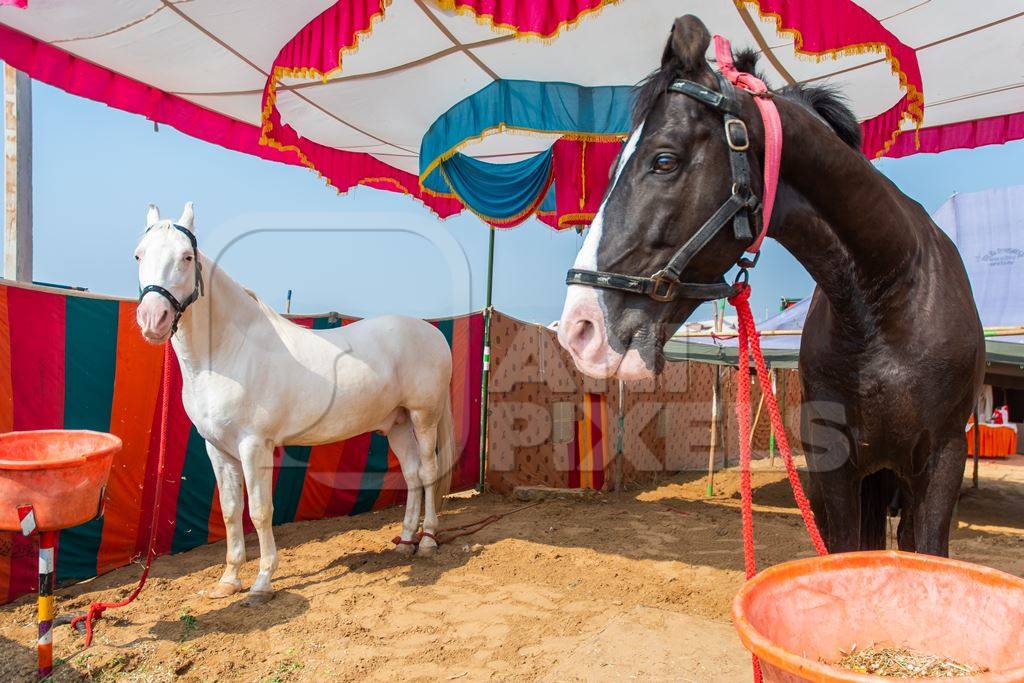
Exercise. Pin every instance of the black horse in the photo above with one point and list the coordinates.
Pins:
(892, 355)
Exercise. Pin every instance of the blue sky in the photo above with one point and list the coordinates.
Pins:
(96, 169)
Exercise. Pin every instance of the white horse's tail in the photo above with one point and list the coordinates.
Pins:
(445, 452)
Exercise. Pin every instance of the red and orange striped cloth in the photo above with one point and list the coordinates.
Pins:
(75, 361)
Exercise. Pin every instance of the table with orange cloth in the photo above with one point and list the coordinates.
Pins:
(997, 441)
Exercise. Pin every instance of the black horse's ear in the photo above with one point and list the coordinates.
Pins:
(689, 43)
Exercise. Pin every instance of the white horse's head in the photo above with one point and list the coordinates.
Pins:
(169, 275)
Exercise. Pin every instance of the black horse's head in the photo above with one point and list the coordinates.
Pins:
(660, 244)
(672, 175)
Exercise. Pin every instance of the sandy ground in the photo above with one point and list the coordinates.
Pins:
(616, 587)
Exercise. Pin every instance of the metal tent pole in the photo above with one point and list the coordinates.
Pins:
(487, 360)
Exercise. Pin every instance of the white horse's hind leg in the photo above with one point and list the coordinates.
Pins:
(258, 464)
(228, 472)
(425, 429)
(403, 443)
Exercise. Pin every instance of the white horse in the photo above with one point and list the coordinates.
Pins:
(252, 381)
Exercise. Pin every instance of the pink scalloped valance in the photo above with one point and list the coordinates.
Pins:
(316, 51)
(849, 29)
(534, 19)
(993, 130)
(77, 76)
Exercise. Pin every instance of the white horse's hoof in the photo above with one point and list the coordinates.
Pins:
(425, 550)
(224, 589)
(405, 549)
(256, 598)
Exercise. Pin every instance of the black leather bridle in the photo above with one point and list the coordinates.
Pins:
(197, 291)
(742, 209)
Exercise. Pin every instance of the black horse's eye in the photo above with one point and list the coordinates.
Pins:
(665, 163)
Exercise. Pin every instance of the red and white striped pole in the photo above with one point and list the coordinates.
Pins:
(47, 569)
(44, 600)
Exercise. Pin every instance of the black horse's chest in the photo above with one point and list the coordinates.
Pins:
(874, 396)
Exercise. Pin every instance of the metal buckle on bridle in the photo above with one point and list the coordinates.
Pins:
(746, 263)
(742, 277)
(731, 125)
(662, 286)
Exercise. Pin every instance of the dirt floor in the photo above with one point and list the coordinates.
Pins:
(630, 586)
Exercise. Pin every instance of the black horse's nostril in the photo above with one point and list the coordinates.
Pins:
(580, 335)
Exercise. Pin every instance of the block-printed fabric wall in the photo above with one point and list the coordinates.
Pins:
(665, 422)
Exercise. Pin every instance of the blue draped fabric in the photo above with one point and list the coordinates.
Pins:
(498, 192)
(502, 191)
(549, 204)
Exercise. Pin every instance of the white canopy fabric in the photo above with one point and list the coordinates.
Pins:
(310, 81)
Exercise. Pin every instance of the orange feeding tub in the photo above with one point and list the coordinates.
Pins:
(60, 473)
(799, 615)
(51, 480)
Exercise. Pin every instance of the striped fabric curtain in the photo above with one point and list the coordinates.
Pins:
(76, 361)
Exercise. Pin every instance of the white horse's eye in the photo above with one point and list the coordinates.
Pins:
(188, 259)
(137, 257)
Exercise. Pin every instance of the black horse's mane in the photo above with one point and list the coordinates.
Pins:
(826, 101)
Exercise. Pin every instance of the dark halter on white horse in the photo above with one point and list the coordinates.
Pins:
(742, 208)
(197, 291)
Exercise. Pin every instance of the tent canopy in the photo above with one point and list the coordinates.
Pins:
(988, 230)
(461, 102)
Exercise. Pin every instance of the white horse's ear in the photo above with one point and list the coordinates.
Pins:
(152, 216)
(187, 217)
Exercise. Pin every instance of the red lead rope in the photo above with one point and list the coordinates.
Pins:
(96, 609)
(750, 344)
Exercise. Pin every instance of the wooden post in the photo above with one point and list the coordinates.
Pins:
(757, 418)
(779, 387)
(17, 175)
(721, 432)
(620, 436)
(714, 430)
(977, 445)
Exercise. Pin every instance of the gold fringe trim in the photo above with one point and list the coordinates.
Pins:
(281, 72)
(485, 19)
(567, 220)
(488, 20)
(915, 97)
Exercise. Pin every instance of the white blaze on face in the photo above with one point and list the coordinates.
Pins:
(582, 329)
(587, 258)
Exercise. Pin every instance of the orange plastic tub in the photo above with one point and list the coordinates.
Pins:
(799, 615)
(61, 473)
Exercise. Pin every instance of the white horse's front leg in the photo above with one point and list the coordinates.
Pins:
(228, 472)
(257, 457)
(403, 443)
